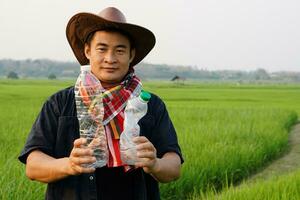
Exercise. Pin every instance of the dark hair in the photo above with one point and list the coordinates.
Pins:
(122, 32)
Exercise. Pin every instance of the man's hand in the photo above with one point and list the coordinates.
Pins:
(163, 169)
(44, 168)
(79, 156)
(146, 154)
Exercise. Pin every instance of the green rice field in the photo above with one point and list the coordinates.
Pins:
(278, 188)
(226, 131)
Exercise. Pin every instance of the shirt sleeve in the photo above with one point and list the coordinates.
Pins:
(43, 132)
(164, 134)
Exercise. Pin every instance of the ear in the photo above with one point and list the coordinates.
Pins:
(87, 51)
(132, 55)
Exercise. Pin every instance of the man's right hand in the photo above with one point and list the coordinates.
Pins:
(79, 156)
(44, 168)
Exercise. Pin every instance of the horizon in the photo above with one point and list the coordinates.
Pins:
(169, 65)
(213, 35)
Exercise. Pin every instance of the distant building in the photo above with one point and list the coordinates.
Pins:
(178, 79)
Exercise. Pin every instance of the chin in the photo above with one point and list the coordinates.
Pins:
(110, 80)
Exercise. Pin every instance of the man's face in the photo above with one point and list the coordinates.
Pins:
(109, 54)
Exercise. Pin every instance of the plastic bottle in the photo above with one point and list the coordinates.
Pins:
(135, 109)
(90, 112)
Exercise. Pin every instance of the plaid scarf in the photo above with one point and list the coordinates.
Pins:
(114, 101)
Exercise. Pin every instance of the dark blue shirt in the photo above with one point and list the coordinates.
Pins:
(55, 130)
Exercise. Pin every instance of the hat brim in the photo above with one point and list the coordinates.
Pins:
(82, 24)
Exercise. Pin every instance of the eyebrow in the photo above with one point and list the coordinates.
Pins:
(118, 46)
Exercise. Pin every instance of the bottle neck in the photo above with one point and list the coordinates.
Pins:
(104, 84)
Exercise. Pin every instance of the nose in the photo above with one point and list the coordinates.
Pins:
(110, 57)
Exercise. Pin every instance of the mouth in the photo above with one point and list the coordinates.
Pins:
(110, 69)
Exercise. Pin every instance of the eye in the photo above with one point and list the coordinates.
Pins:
(101, 49)
(120, 51)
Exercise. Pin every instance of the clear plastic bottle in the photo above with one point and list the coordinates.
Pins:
(90, 112)
(135, 109)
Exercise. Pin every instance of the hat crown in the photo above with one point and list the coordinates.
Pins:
(113, 14)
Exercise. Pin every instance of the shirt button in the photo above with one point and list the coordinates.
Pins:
(91, 178)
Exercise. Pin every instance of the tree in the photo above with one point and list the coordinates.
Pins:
(261, 74)
(51, 76)
(12, 75)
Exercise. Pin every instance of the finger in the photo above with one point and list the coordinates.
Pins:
(95, 142)
(143, 162)
(145, 146)
(79, 152)
(146, 154)
(138, 164)
(79, 142)
(82, 160)
(140, 139)
(81, 170)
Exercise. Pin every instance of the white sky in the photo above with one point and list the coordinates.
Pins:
(210, 34)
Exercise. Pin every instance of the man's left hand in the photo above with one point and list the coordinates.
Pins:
(146, 154)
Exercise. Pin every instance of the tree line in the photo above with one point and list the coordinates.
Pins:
(45, 68)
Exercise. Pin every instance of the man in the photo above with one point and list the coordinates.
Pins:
(54, 153)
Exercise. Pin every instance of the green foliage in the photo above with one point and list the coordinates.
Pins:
(12, 75)
(285, 187)
(225, 131)
(39, 68)
(43, 67)
(20, 102)
(223, 146)
(238, 128)
(51, 76)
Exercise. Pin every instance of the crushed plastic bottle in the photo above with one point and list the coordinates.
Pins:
(135, 109)
(90, 112)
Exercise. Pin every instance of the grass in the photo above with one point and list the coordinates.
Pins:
(226, 131)
(285, 187)
(223, 146)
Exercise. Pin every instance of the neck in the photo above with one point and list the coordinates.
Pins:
(107, 85)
